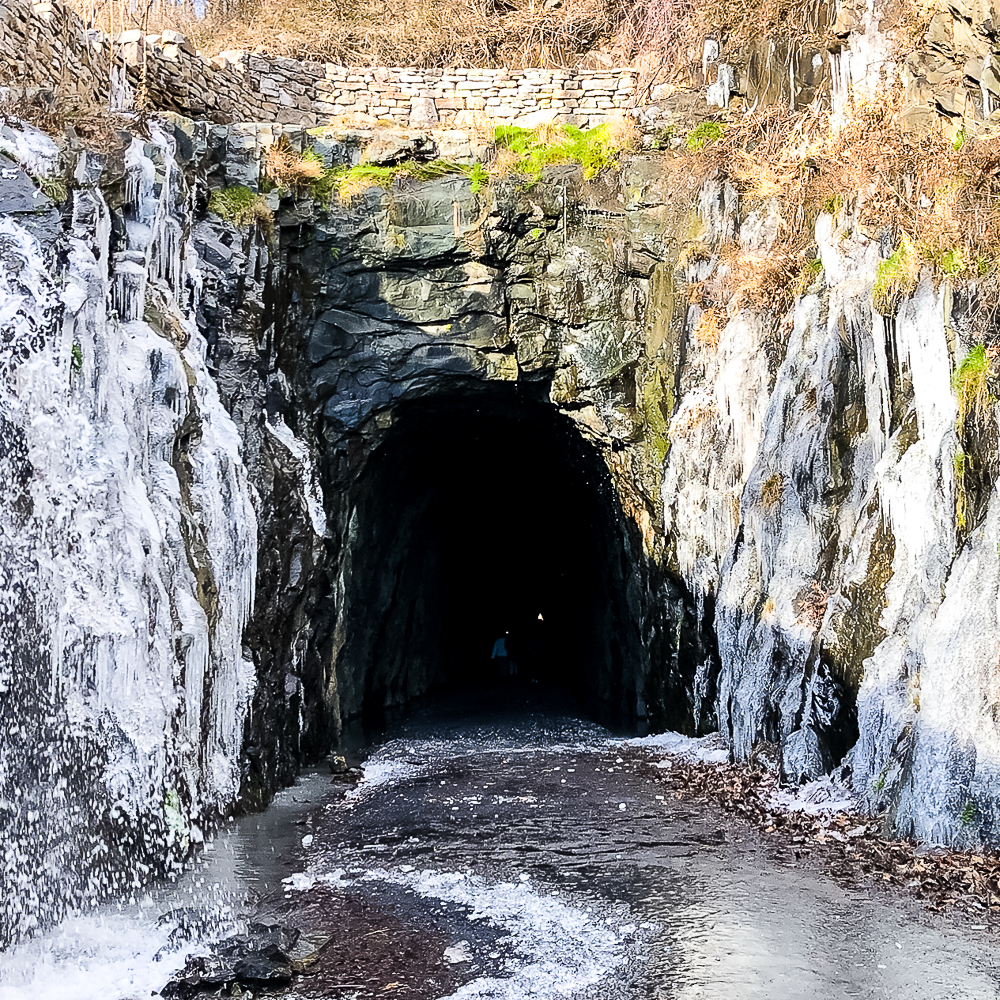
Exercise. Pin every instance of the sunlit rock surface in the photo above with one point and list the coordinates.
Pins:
(257, 489)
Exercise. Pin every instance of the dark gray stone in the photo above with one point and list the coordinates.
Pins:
(18, 192)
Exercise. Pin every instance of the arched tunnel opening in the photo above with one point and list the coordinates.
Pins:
(482, 510)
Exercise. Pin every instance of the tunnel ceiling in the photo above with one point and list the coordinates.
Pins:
(480, 507)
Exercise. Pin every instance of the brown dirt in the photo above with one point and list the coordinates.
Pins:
(373, 952)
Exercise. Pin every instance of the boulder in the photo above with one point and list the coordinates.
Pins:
(260, 958)
(18, 192)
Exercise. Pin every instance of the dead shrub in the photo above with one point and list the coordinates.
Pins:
(483, 127)
(696, 293)
(289, 170)
(549, 133)
(760, 279)
(693, 252)
(624, 133)
(709, 326)
(504, 162)
(812, 607)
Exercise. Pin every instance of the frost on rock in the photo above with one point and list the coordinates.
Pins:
(33, 150)
(840, 584)
(127, 544)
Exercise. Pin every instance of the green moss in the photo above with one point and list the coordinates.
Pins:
(833, 204)
(961, 501)
(76, 359)
(971, 384)
(969, 814)
(961, 138)
(594, 149)
(951, 262)
(811, 270)
(702, 134)
(478, 177)
(347, 182)
(664, 137)
(242, 207)
(895, 277)
(653, 398)
(54, 188)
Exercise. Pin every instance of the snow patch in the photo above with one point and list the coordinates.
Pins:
(711, 749)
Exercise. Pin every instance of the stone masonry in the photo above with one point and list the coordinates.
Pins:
(44, 45)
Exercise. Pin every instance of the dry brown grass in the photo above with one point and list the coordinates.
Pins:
(709, 326)
(422, 33)
(286, 169)
(483, 127)
(662, 37)
(772, 490)
(624, 133)
(504, 162)
(762, 279)
(549, 133)
(933, 203)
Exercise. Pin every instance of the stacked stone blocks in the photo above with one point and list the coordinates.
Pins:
(44, 45)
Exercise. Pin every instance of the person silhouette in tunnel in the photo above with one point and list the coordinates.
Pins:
(500, 655)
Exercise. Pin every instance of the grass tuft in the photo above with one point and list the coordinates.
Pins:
(895, 278)
(526, 151)
(346, 183)
(971, 383)
(242, 207)
(703, 134)
(291, 171)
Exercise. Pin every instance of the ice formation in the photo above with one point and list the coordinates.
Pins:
(127, 543)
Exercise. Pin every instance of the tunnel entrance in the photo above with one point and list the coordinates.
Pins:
(483, 510)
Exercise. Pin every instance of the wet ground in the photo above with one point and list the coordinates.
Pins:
(502, 849)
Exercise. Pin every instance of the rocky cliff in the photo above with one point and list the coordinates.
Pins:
(278, 458)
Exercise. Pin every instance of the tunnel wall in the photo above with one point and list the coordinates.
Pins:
(760, 473)
(480, 508)
(404, 295)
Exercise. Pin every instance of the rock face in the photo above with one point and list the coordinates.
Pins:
(261, 486)
(775, 505)
(128, 539)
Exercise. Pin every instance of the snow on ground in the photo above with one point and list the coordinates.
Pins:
(711, 749)
(558, 949)
(823, 796)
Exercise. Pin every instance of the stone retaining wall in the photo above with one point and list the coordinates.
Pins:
(49, 48)
(951, 80)
(43, 44)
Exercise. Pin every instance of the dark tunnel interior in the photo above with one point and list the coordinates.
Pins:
(484, 511)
